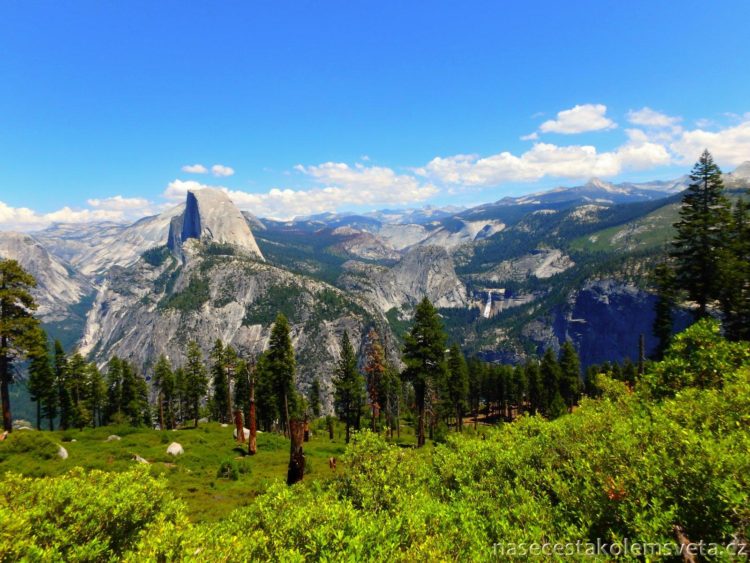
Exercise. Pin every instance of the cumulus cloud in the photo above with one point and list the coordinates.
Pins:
(25, 219)
(220, 170)
(647, 117)
(195, 169)
(545, 160)
(119, 203)
(729, 146)
(579, 119)
(530, 137)
(341, 185)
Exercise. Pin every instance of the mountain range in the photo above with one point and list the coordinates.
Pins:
(510, 278)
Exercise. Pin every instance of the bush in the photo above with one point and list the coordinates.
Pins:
(228, 470)
(92, 516)
(37, 444)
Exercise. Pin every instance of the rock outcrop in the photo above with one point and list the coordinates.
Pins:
(210, 216)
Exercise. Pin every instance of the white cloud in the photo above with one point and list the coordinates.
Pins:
(341, 185)
(530, 137)
(546, 160)
(729, 146)
(119, 203)
(220, 170)
(579, 119)
(647, 117)
(25, 219)
(195, 169)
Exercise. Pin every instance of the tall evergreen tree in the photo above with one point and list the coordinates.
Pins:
(535, 386)
(96, 395)
(570, 374)
(457, 384)
(195, 381)
(551, 374)
(64, 401)
(77, 388)
(283, 366)
(701, 234)
(164, 383)
(349, 387)
(314, 397)
(17, 324)
(220, 382)
(41, 381)
(476, 370)
(424, 356)
(735, 275)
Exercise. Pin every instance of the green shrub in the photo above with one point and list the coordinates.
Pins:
(80, 516)
(37, 444)
(228, 470)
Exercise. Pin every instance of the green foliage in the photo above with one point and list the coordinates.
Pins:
(82, 516)
(36, 444)
(698, 357)
(156, 256)
(192, 298)
(277, 299)
(349, 387)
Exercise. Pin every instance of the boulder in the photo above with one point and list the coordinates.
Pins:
(62, 452)
(139, 459)
(113, 438)
(202, 421)
(224, 425)
(246, 432)
(175, 449)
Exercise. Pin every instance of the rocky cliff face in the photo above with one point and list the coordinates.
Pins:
(424, 272)
(210, 215)
(144, 311)
(59, 287)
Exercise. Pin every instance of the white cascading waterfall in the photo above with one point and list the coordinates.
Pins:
(488, 306)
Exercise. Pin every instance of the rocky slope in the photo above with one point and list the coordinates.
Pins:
(426, 271)
(59, 287)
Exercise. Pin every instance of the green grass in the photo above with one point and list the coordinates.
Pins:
(193, 476)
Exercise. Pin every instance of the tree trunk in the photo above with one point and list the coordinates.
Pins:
(239, 427)
(161, 411)
(420, 420)
(330, 428)
(296, 455)
(252, 447)
(38, 414)
(286, 414)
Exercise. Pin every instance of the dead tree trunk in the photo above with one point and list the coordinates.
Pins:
(239, 426)
(296, 454)
(330, 427)
(252, 446)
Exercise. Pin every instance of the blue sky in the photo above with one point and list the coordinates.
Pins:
(343, 105)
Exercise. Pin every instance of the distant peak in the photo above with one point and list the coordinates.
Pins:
(743, 170)
(599, 183)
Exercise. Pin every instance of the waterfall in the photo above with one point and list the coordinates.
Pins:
(488, 306)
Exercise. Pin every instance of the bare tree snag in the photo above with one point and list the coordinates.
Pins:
(685, 545)
(239, 426)
(296, 454)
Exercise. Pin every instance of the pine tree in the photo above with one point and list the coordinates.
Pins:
(64, 400)
(195, 381)
(41, 378)
(476, 381)
(535, 386)
(570, 374)
(164, 383)
(220, 382)
(349, 387)
(96, 395)
(735, 275)
(77, 389)
(424, 356)
(314, 397)
(17, 324)
(458, 383)
(701, 234)
(281, 364)
(550, 375)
